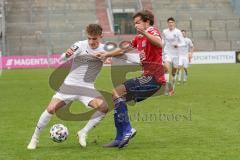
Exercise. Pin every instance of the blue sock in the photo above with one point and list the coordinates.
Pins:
(121, 118)
(118, 126)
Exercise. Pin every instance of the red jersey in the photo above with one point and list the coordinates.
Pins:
(150, 55)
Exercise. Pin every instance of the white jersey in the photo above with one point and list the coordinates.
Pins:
(184, 50)
(172, 37)
(85, 67)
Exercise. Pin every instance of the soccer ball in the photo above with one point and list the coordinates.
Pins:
(58, 133)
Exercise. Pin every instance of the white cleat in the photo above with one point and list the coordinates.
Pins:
(82, 138)
(33, 144)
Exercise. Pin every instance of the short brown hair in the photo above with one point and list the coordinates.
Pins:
(94, 29)
(170, 19)
(145, 16)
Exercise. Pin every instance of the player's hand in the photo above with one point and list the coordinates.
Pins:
(69, 53)
(101, 55)
(190, 57)
(140, 30)
(175, 46)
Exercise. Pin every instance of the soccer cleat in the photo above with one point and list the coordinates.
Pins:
(126, 138)
(115, 143)
(134, 132)
(112, 144)
(169, 89)
(82, 138)
(33, 144)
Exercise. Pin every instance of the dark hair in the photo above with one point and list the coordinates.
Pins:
(170, 19)
(145, 16)
(94, 29)
(183, 30)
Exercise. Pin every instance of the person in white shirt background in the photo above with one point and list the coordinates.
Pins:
(173, 40)
(185, 56)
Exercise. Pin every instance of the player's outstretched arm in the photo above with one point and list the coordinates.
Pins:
(116, 52)
(66, 55)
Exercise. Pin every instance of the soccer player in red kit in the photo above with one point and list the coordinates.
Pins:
(148, 42)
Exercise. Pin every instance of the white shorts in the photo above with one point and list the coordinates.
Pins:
(171, 59)
(82, 94)
(183, 61)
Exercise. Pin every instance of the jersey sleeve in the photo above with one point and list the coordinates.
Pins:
(190, 43)
(77, 47)
(153, 31)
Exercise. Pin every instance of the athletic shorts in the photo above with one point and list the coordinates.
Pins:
(171, 59)
(139, 89)
(76, 93)
(183, 61)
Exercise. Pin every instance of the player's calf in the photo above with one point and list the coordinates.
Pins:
(102, 108)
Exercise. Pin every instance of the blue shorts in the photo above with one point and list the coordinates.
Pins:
(141, 88)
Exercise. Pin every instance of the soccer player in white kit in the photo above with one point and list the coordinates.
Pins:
(185, 56)
(84, 70)
(173, 40)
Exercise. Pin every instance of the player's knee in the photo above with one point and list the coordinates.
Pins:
(115, 94)
(51, 109)
(100, 104)
(103, 106)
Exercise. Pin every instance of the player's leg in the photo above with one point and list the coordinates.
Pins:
(137, 89)
(185, 67)
(121, 118)
(101, 107)
(179, 73)
(168, 89)
(167, 69)
(175, 67)
(167, 61)
(45, 117)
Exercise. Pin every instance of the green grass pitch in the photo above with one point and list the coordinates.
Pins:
(200, 122)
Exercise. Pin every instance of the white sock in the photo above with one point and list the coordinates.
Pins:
(95, 119)
(179, 75)
(42, 122)
(167, 77)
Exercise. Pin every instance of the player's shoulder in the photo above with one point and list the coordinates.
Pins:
(177, 30)
(188, 40)
(83, 42)
(153, 30)
(166, 30)
(80, 43)
(101, 47)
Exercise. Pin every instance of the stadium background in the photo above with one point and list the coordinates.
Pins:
(31, 27)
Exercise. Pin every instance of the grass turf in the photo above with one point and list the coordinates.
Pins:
(200, 122)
